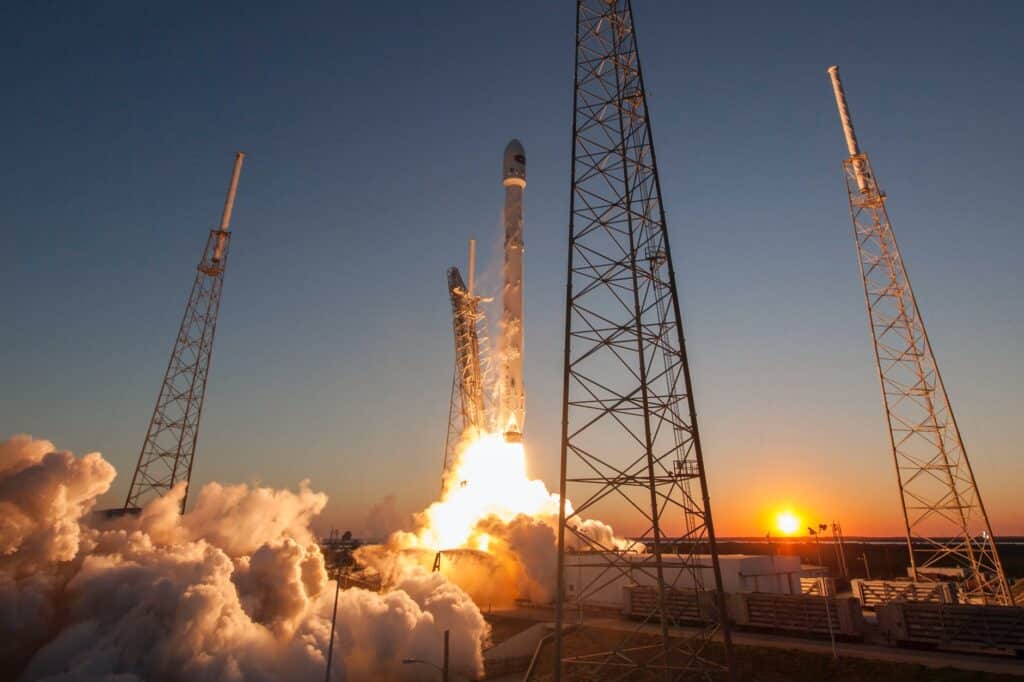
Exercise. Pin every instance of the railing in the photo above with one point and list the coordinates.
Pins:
(875, 593)
(957, 626)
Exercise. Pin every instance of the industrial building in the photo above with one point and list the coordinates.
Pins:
(741, 573)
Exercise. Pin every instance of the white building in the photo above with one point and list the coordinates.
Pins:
(601, 584)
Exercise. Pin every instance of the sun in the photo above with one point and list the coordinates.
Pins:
(787, 522)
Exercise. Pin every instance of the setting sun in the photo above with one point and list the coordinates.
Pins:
(787, 522)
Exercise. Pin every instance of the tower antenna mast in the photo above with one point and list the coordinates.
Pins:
(631, 449)
(169, 448)
(946, 523)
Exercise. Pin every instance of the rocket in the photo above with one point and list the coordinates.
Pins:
(512, 396)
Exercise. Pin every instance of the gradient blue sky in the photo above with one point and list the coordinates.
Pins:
(374, 133)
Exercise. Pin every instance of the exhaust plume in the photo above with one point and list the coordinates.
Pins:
(494, 527)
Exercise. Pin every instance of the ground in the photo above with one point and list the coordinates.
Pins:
(777, 665)
(761, 663)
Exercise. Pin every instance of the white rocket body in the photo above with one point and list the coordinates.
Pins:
(512, 395)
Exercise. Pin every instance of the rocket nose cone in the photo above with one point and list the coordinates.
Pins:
(514, 162)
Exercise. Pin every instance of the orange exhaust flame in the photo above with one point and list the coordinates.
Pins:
(488, 480)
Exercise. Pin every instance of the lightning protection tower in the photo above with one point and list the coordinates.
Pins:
(466, 407)
(170, 445)
(947, 526)
(631, 449)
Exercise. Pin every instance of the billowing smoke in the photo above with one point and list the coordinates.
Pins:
(235, 589)
(43, 494)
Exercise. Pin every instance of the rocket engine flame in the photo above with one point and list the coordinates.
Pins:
(495, 527)
(488, 480)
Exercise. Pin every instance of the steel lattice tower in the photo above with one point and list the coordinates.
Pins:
(467, 404)
(467, 408)
(946, 523)
(630, 445)
(170, 445)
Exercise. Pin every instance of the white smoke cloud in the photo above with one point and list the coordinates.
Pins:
(378, 631)
(236, 518)
(527, 549)
(235, 589)
(43, 494)
(532, 544)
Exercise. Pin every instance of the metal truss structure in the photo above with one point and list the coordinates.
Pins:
(169, 448)
(466, 407)
(948, 532)
(630, 445)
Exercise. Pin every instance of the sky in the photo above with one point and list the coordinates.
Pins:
(374, 134)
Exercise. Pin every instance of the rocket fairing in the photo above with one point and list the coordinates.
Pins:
(512, 395)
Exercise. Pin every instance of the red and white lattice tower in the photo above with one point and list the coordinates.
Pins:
(948, 531)
(169, 448)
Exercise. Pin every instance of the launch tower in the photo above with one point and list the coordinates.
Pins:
(466, 409)
(631, 449)
(170, 444)
(946, 523)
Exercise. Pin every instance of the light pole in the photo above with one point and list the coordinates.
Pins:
(334, 618)
(441, 669)
(840, 547)
(867, 568)
(813, 533)
(821, 586)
